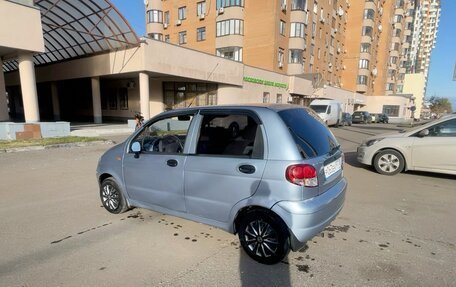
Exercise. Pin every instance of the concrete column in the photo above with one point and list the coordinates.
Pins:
(3, 102)
(28, 87)
(55, 101)
(96, 99)
(144, 95)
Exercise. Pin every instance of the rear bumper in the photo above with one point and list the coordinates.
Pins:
(307, 218)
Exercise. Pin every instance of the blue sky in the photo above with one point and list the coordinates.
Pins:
(443, 59)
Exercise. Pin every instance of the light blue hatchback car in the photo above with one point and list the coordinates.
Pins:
(273, 174)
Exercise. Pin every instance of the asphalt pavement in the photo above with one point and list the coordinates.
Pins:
(393, 231)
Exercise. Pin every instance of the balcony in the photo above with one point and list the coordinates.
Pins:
(370, 5)
(297, 43)
(295, 68)
(361, 88)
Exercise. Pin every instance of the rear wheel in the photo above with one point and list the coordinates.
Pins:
(389, 162)
(112, 197)
(264, 237)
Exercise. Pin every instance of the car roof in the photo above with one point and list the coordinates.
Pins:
(252, 106)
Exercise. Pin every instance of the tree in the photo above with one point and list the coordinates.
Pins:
(440, 105)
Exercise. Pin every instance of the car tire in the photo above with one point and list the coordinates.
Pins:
(264, 237)
(112, 197)
(389, 162)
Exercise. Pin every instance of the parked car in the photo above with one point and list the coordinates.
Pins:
(381, 118)
(430, 147)
(330, 111)
(346, 119)
(276, 184)
(361, 117)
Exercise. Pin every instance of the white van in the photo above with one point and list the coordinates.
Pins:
(330, 111)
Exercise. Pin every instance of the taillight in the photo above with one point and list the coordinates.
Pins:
(302, 174)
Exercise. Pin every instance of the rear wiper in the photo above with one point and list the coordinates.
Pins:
(334, 149)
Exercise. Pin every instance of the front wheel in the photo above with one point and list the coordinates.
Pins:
(112, 197)
(389, 162)
(264, 237)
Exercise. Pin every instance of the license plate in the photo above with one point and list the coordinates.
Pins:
(333, 167)
(357, 117)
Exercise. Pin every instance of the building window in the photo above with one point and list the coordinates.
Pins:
(397, 32)
(201, 34)
(167, 40)
(123, 98)
(230, 27)
(367, 31)
(389, 86)
(282, 25)
(363, 64)
(228, 3)
(232, 53)
(179, 95)
(369, 14)
(295, 56)
(280, 58)
(279, 99)
(314, 29)
(361, 80)
(182, 13)
(315, 7)
(297, 30)
(182, 37)
(392, 60)
(265, 97)
(166, 18)
(397, 18)
(201, 8)
(391, 110)
(156, 36)
(154, 16)
(365, 47)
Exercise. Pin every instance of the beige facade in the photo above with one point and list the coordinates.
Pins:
(415, 84)
(290, 37)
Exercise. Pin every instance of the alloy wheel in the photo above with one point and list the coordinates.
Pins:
(388, 163)
(110, 197)
(261, 238)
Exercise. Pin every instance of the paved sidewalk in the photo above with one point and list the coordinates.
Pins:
(99, 130)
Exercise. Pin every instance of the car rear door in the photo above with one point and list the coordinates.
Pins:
(225, 167)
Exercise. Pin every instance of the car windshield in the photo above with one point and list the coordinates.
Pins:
(357, 113)
(319, 108)
(311, 136)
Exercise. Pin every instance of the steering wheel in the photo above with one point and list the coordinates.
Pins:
(151, 143)
(168, 140)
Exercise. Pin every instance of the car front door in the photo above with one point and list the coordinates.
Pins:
(225, 167)
(155, 175)
(437, 150)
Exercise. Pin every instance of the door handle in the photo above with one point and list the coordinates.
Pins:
(172, 162)
(247, 168)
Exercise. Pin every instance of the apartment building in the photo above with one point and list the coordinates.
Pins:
(291, 37)
(423, 38)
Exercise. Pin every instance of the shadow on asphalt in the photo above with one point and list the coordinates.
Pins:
(432, 174)
(253, 273)
(350, 159)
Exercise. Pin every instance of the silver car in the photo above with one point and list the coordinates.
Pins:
(276, 183)
(430, 147)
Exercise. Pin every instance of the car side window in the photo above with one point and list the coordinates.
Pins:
(230, 135)
(444, 129)
(165, 135)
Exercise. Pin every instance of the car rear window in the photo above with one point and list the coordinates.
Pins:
(311, 135)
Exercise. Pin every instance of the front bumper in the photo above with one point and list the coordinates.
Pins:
(307, 218)
(364, 155)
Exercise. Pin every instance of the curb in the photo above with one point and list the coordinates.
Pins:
(64, 145)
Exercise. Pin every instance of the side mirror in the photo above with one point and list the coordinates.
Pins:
(136, 148)
(423, 133)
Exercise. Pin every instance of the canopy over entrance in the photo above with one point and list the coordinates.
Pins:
(76, 28)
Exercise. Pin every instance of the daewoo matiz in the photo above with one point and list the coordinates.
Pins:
(276, 182)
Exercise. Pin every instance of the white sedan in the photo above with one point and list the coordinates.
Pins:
(430, 147)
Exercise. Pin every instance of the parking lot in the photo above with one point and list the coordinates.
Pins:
(393, 231)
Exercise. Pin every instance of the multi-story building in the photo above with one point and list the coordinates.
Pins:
(426, 23)
(291, 37)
